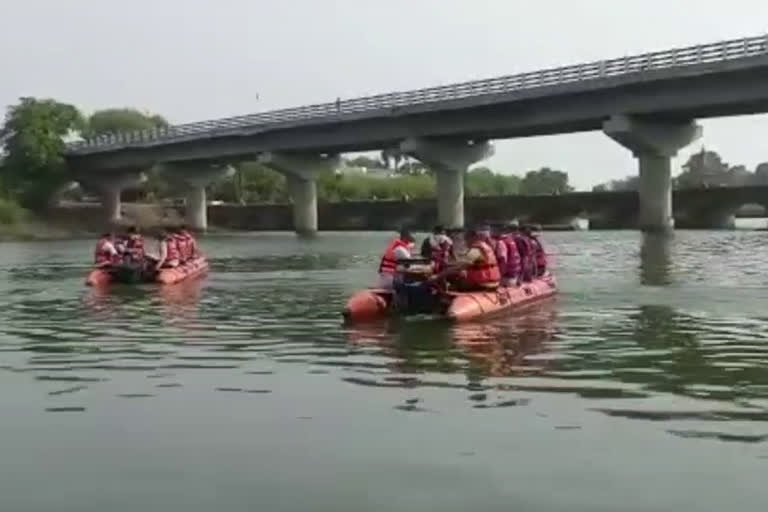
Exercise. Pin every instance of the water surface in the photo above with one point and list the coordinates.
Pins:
(643, 386)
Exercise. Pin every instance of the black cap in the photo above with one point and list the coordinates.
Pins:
(405, 234)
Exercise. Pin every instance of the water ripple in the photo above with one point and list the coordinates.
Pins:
(640, 322)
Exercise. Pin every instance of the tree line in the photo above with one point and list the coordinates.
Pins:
(33, 170)
(703, 169)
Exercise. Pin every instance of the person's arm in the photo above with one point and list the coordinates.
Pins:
(463, 263)
(401, 253)
(110, 248)
(162, 256)
(501, 253)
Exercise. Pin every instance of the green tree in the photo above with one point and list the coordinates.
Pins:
(545, 181)
(34, 168)
(481, 181)
(252, 183)
(628, 183)
(760, 177)
(703, 169)
(121, 120)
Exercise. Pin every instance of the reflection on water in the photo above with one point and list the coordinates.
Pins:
(513, 345)
(655, 259)
(667, 333)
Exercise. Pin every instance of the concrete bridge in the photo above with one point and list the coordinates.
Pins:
(647, 103)
(605, 210)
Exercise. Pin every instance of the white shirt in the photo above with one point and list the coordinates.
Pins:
(109, 247)
(402, 253)
(437, 240)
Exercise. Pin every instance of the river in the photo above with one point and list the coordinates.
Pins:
(643, 386)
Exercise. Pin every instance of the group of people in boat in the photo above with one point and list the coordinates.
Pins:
(176, 246)
(493, 255)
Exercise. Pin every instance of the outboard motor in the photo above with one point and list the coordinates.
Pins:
(414, 293)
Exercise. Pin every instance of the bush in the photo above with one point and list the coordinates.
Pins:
(10, 212)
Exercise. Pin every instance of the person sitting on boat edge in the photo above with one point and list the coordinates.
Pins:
(539, 254)
(478, 270)
(169, 250)
(182, 243)
(134, 245)
(510, 271)
(192, 249)
(398, 249)
(498, 246)
(106, 255)
(525, 250)
(437, 247)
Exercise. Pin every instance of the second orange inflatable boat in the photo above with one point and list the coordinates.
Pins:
(374, 304)
(189, 269)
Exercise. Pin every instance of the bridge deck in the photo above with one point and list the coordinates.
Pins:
(703, 59)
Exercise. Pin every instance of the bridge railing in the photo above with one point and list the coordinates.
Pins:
(680, 57)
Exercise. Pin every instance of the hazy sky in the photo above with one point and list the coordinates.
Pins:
(192, 60)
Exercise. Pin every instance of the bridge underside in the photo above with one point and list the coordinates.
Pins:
(659, 108)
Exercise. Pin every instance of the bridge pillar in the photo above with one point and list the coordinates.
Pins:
(301, 171)
(449, 159)
(195, 177)
(653, 144)
(304, 196)
(109, 187)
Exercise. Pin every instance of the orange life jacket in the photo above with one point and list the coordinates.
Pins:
(486, 271)
(388, 263)
(135, 246)
(181, 243)
(102, 257)
(191, 244)
(540, 255)
(527, 257)
(512, 269)
(172, 248)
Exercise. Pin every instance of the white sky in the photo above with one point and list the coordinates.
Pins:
(193, 59)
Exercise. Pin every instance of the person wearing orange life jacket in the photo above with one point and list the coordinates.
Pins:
(134, 245)
(398, 249)
(182, 244)
(169, 250)
(105, 255)
(539, 255)
(479, 269)
(527, 261)
(510, 272)
(192, 249)
(494, 239)
(437, 247)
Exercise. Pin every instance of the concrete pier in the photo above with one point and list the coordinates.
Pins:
(301, 171)
(109, 187)
(653, 144)
(449, 159)
(196, 208)
(304, 195)
(195, 177)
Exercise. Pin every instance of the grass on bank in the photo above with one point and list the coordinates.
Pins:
(16, 223)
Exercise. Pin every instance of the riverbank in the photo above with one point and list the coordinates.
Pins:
(86, 220)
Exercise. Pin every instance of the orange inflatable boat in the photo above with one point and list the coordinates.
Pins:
(375, 304)
(193, 268)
